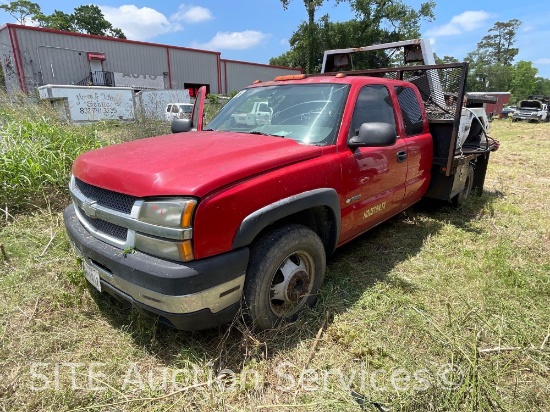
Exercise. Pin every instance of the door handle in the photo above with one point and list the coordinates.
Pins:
(401, 156)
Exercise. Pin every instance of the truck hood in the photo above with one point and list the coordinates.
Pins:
(193, 164)
(530, 105)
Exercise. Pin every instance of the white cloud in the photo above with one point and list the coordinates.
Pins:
(139, 23)
(30, 22)
(191, 14)
(235, 40)
(284, 42)
(543, 60)
(527, 29)
(464, 22)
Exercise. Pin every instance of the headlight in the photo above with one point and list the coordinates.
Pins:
(168, 212)
(168, 249)
(174, 212)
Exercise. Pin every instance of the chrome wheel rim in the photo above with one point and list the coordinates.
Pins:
(291, 284)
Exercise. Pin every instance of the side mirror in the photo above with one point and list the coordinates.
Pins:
(181, 125)
(375, 134)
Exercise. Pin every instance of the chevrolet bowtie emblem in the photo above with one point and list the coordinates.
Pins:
(88, 208)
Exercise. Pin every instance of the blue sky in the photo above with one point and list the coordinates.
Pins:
(255, 30)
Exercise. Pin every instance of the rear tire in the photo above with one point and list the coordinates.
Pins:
(285, 272)
(463, 196)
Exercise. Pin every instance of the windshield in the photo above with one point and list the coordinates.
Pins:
(307, 113)
(186, 108)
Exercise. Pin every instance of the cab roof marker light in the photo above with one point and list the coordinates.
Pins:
(290, 77)
(340, 75)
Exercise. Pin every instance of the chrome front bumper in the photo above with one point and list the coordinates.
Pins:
(171, 289)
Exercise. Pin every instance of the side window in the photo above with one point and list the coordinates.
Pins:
(175, 108)
(373, 105)
(168, 108)
(410, 109)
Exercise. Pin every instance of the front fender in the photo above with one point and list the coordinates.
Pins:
(257, 221)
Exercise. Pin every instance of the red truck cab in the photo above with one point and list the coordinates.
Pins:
(194, 226)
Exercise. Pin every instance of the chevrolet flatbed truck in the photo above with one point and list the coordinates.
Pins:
(195, 225)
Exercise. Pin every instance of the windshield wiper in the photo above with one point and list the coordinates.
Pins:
(263, 134)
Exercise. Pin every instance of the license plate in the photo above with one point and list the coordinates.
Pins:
(92, 275)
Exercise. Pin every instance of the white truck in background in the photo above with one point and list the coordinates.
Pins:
(153, 103)
(531, 110)
(258, 116)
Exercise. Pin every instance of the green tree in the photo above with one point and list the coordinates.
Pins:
(445, 59)
(22, 10)
(310, 29)
(542, 86)
(58, 20)
(376, 22)
(523, 80)
(498, 43)
(393, 16)
(87, 19)
(484, 76)
(491, 64)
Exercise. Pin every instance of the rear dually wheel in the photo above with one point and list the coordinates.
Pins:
(466, 192)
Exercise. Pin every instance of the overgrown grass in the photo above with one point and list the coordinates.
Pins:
(435, 310)
(36, 152)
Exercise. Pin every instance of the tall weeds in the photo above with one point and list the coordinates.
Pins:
(37, 149)
(36, 152)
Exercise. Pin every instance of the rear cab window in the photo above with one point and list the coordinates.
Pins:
(410, 110)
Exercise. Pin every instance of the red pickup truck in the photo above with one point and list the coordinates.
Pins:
(194, 226)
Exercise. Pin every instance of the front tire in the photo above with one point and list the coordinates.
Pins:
(285, 272)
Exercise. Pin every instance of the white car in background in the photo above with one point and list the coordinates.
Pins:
(532, 111)
(178, 111)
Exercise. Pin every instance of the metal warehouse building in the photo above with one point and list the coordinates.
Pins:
(33, 57)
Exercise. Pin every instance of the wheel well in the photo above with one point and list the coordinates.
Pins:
(320, 219)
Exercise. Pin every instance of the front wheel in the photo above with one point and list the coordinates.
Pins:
(285, 272)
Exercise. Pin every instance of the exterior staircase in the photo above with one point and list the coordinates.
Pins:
(98, 79)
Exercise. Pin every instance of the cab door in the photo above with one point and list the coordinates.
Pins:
(375, 175)
(198, 109)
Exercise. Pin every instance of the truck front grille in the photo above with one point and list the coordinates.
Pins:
(107, 228)
(107, 198)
